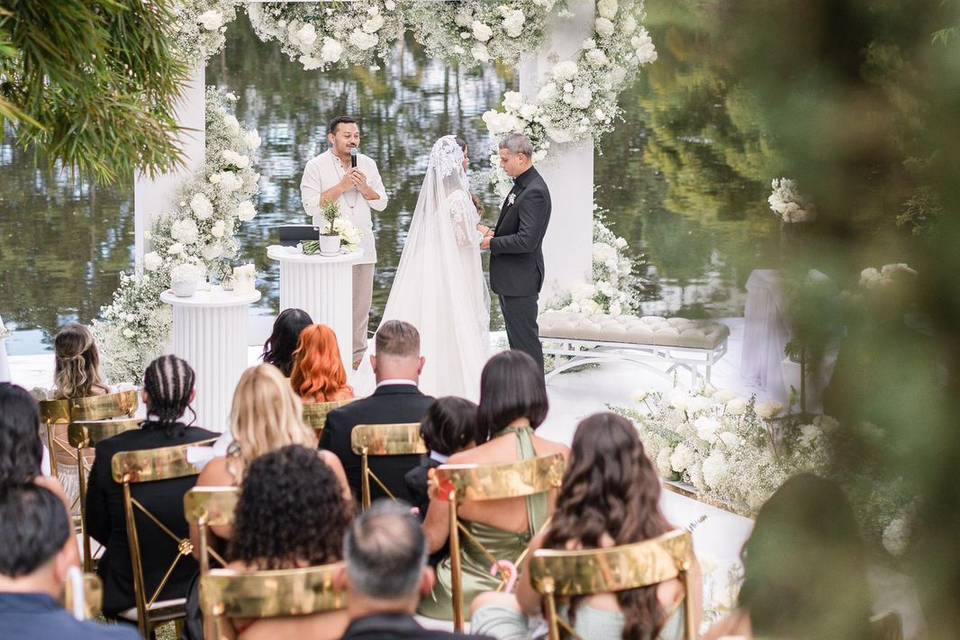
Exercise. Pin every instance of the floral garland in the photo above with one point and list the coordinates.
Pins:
(474, 33)
(322, 35)
(200, 26)
(580, 98)
(210, 207)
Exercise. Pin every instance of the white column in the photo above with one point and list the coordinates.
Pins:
(568, 168)
(210, 333)
(153, 196)
(321, 286)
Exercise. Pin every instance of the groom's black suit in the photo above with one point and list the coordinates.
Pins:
(516, 260)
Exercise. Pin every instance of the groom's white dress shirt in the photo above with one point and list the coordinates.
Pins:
(325, 171)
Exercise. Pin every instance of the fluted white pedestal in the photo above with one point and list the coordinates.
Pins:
(210, 333)
(321, 286)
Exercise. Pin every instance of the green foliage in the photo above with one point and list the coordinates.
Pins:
(90, 84)
(330, 212)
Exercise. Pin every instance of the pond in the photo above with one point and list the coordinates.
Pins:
(684, 176)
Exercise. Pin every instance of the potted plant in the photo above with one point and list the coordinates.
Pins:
(329, 237)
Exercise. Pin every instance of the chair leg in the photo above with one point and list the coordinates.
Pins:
(455, 575)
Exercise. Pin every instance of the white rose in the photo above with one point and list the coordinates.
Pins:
(175, 249)
(768, 410)
(663, 462)
(232, 123)
(389, 5)
(128, 333)
(331, 50)
(604, 27)
(629, 25)
(809, 435)
(512, 100)
(480, 53)
(184, 231)
(869, 277)
(706, 428)
(212, 251)
(528, 112)
(218, 229)
(607, 8)
(201, 206)
(310, 63)
(590, 307)
(565, 70)
(582, 97)
(547, 93)
(597, 57)
(246, 211)
(682, 458)
(362, 40)
(736, 406)
(211, 20)
(679, 399)
(715, 468)
(373, 24)
(618, 75)
(729, 439)
(214, 179)
(252, 138)
(152, 261)
(481, 31)
(236, 159)
(646, 52)
(229, 181)
(306, 36)
(463, 18)
(513, 23)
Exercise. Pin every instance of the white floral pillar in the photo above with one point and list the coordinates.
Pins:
(568, 168)
(152, 196)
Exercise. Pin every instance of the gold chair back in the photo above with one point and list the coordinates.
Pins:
(561, 574)
(208, 507)
(315, 413)
(83, 435)
(457, 483)
(225, 593)
(152, 465)
(401, 439)
(92, 596)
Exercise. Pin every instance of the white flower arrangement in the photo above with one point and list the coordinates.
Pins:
(199, 28)
(788, 204)
(887, 275)
(324, 35)
(350, 235)
(581, 97)
(197, 234)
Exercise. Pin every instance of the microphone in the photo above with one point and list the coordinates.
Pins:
(353, 158)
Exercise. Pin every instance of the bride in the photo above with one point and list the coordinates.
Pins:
(439, 287)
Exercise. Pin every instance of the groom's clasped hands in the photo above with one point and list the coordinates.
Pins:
(486, 234)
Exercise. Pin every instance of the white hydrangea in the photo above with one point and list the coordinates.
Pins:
(238, 160)
(218, 229)
(480, 53)
(736, 406)
(809, 435)
(645, 50)
(184, 230)
(246, 211)
(682, 458)
(664, 467)
(310, 63)
(374, 23)
(331, 50)
(152, 261)
(212, 251)
(729, 439)
(629, 25)
(768, 410)
(607, 8)
(201, 206)
(582, 97)
(565, 70)
(513, 23)
(512, 100)
(232, 124)
(305, 37)
(481, 31)
(362, 40)
(597, 57)
(547, 93)
(211, 20)
(707, 428)
(175, 249)
(604, 27)
(715, 468)
(229, 181)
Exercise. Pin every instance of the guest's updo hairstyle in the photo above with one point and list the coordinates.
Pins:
(611, 487)
(279, 347)
(511, 387)
(169, 383)
(21, 450)
(450, 425)
(76, 362)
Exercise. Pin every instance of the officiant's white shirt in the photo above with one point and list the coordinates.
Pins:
(325, 171)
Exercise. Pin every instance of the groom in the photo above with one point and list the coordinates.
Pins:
(516, 258)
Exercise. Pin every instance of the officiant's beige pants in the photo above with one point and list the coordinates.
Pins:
(362, 300)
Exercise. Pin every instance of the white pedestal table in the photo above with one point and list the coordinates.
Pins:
(323, 287)
(210, 333)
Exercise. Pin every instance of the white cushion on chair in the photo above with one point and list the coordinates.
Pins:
(646, 330)
(131, 614)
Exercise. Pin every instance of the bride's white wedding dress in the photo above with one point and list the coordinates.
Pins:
(439, 287)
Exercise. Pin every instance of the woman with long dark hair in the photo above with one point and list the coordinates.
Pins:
(279, 347)
(513, 402)
(168, 390)
(610, 496)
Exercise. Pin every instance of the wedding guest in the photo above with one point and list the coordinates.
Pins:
(266, 415)
(804, 568)
(76, 364)
(318, 373)
(300, 499)
(279, 347)
(39, 552)
(386, 575)
(396, 366)
(513, 402)
(168, 390)
(609, 496)
(449, 427)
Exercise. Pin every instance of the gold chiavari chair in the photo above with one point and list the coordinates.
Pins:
(92, 589)
(887, 626)
(152, 465)
(561, 574)
(315, 413)
(367, 440)
(458, 483)
(226, 593)
(207, 507)
(82, 435)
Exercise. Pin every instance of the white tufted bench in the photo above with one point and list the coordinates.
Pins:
(645, 341)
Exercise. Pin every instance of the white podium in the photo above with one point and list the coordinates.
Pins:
(210, 333)
(323, 287)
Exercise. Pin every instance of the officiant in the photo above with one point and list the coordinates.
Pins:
(343, 175)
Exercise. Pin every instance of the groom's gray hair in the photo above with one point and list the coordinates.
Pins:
(517, 143)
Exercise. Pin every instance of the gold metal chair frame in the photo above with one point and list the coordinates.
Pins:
(402, 439)
(315, 413)
(559, 574)
(92, 596)
(84, 435)
(152, 465)
(226, 593)
(458, 483)
(208, 507)
(887, 626)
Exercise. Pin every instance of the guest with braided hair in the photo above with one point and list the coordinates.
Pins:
(168, 390)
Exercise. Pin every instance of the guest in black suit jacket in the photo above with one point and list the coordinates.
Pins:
(168, 389)
(397, 365)
(516, 255)
(386, 575)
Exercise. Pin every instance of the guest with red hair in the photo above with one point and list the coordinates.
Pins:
(318, 374)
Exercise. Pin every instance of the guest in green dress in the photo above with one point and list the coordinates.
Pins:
(513, 402)
(610, 496)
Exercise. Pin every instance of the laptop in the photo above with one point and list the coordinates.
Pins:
(293, 234)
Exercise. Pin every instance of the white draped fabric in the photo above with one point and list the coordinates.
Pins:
(4, 361)
(765, 334)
